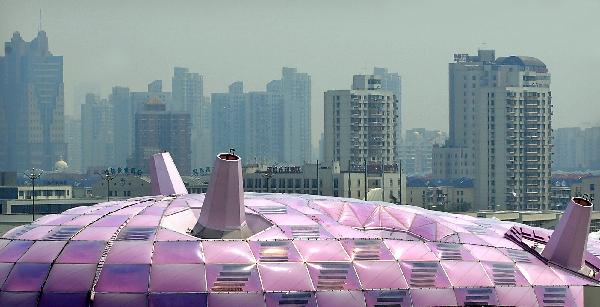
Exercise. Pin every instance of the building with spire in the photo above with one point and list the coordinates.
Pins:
(31, 105)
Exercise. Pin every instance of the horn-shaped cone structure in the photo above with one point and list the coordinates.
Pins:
(164, 176)
(223, 209)
(569, 240)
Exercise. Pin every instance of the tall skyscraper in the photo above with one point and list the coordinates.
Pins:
(203, 152)
(500, 130)
(32, 104)
(97, 134)
(591, 148)
(276, 119)
(228, 119)
(188, 96)
(187, 89)
(157, 130)
(296, 93)
(263, 127)
(139, 99)
(361, 124)
(122, 106)
(73, 139)
(568, 149)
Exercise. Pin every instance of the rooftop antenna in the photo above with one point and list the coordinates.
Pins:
(40, 23)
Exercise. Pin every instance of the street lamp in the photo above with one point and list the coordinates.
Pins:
(33, 174)
(108, 177)
(268, 175)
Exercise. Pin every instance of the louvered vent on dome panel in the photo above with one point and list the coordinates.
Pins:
(392, 298)
(21, 230)
(232, 278)
(332, 276)
(503, 274)
(309, 231)
(478, 297)
(136, 233)
(423, 274)
(478, 230)
(366, 249)
(63, 233)
(295, 299)
(272, 251)
(519, 255)
(449, 251)
(271, 209)
(554, 296)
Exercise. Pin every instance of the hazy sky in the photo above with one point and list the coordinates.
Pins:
(134, 42)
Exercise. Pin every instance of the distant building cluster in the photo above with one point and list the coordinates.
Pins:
(416, 150)
(270, 126)
(501, 138)
(576, 149)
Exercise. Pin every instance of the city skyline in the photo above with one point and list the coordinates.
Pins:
(139, 52)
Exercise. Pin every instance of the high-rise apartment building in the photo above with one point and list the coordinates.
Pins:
(31, 104)
(391, 81)
(360, 124)
(228, 119)
(415, 150)
(122, 106)
(97, 134)
(500, 130)
(188, 96)
(263, 127)
(296, 93)
(157, 130)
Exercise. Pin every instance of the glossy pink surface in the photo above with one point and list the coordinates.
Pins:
(318, 251)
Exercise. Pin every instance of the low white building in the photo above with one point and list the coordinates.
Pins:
(46, 192)
(327, 180)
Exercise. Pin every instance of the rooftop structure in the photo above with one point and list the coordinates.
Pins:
(313, 251)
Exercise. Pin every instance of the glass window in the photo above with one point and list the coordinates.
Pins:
(178, 278)
(124, 252)
(124, 278)
(81, 252)
(27, 277)
(70, 278)
(177, 252)
(285, 276)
